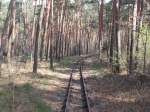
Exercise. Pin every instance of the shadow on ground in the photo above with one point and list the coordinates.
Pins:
(118, 93)
(27, 98)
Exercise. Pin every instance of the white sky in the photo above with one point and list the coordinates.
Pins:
(107, 1)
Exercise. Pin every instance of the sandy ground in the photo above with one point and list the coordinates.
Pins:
(24, 91)
(115, 93)
(49, 86)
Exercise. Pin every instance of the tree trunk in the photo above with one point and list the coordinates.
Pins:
(38, 32)
(45, 30)
(101, 8)
(52, 33)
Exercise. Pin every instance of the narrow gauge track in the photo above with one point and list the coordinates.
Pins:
(76, 99)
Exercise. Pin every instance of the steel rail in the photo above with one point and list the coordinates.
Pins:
(66, 102)
(83, 91)
(88, 109)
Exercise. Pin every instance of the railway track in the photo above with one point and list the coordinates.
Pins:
(76, 99)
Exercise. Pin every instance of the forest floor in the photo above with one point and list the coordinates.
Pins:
(23, 91)
(115, 92)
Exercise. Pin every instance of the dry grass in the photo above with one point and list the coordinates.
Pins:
(115, 93)
(45, 91)
(42, 92)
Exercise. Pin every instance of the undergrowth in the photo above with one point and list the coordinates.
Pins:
(25, 96)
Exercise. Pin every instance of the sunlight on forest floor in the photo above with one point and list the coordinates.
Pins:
(46, 90)
(33, 93)
(115, 93)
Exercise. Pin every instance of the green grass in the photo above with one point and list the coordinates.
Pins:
(66, 61)
(25, 88)
(93, 77)
(4, 101)
(44, 79)
(40, 105)
(97, 66)
(25, 95)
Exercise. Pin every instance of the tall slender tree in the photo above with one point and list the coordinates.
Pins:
(51, 36)
(114, 43)
(101, 10)
(37, 35)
